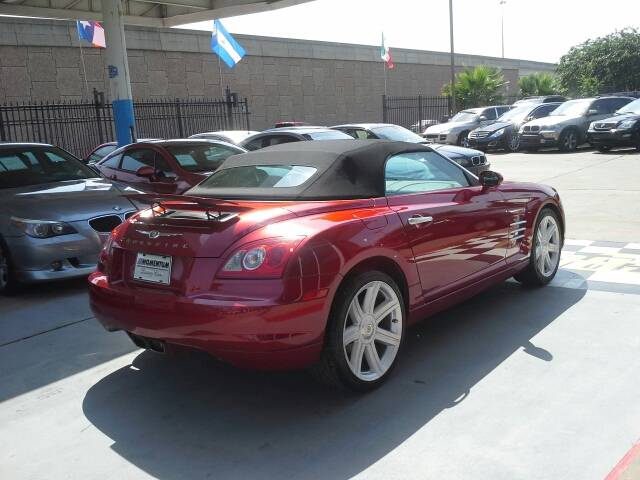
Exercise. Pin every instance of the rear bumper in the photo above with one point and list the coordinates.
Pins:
(264, 333)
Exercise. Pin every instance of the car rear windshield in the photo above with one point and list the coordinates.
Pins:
(260, 176)
(332, 135)
(25, 166)
(397, 133)
(201, 157)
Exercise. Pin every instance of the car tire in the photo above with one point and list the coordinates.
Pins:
(364, 334)
(512, 142)
(463, 140)
(568, 141)
(531, 149)
(603, 148)
(8, 283)
(545, 250)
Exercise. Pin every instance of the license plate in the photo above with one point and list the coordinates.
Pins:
(153, 268)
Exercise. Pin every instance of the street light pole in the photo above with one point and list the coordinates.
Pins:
(502, 2)
(453, 75)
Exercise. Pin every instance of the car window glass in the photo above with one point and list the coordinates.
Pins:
(106, 150)
(38, 165)
(134, 159)
(420, 172)
(502, 110)
(603, 106)
(330, 135)
(163, 168)
(112, 162)
(260, 176)
(354, 133)
(629, 107)
(12, 162)
(621, 102)
(490, 113)
(201, 157)
(54, 158)
(276, 140)
(542, 111)
(254, 144)
(394, 132)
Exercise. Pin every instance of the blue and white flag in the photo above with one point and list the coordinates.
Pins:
(225, 46)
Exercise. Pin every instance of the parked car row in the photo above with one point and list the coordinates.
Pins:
(299, 247)
(544, 122)
(172, 167)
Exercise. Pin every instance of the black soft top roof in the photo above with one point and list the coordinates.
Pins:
(346, 169)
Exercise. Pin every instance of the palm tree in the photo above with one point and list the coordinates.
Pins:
(478, 87)
(537, 84)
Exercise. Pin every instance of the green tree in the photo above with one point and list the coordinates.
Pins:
(477, 87)
(537, 84)
(611, 62)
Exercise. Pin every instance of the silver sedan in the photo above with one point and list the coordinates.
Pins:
(55, 214)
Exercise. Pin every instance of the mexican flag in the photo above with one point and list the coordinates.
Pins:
(385, 53)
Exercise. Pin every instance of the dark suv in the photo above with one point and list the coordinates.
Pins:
(566, 127)
(621, 130)
(502, 133)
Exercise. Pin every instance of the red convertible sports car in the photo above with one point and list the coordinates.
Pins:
(320, 255)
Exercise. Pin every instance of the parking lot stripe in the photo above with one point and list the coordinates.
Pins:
(623, 465)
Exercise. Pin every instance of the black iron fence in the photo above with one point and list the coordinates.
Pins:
(415, 110)
(80, 126)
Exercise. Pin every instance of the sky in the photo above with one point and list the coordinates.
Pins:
(540, 30)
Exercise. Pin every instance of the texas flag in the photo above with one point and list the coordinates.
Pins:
(385, 53)
(93, 32)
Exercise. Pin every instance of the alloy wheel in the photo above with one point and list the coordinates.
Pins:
(570, 141)
(547, 251)
(513, 142)
(372, 330)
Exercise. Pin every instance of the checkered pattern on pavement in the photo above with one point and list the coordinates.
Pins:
(605, 266)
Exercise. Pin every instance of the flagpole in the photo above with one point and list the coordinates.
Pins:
(220, 68)
(86, 85)
(385, 78)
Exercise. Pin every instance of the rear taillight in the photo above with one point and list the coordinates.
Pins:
(107, 249)
(266, 258)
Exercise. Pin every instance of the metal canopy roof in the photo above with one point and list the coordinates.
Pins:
(151, 13)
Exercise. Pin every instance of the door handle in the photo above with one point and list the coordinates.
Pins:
(419, 219)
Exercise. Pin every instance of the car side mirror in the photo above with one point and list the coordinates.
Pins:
(490, 179)
(591, 113)
(482, 118)
(146, 172)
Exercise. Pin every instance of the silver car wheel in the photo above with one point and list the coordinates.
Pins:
(464, 141)
(513, 142)
(569, 141)
(372, 330)
(547, 253)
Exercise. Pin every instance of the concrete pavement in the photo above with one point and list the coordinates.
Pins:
(516, 383)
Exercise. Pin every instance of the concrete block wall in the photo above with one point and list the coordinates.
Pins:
(322, 83)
